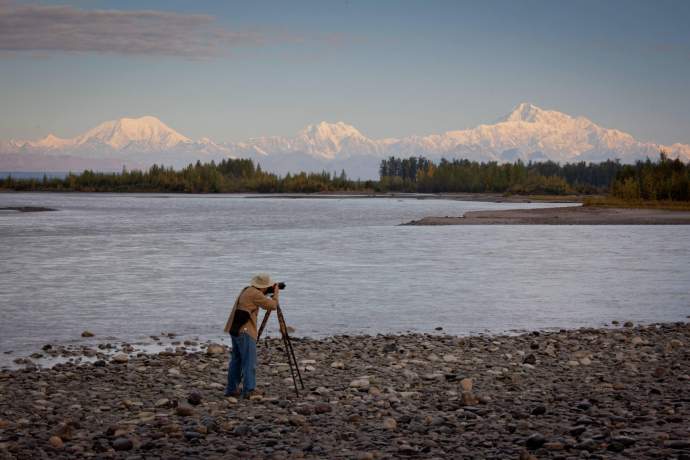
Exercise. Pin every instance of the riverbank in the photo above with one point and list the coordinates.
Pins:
(572, 215)
(480, 197)
(602, 393)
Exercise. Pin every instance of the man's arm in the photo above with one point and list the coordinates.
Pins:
(266, 302)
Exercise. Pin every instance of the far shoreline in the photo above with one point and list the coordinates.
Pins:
(475, 197)
(569, 215)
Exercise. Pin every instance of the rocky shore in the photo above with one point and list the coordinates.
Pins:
(622, 392)
(569, 215)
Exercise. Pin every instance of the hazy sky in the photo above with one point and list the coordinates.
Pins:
(234, 70)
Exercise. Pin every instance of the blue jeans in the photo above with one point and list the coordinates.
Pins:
(242, 364)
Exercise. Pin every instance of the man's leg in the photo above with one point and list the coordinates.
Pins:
(234, 368)
(248, 363)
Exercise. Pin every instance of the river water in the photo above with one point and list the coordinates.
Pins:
(127, 265)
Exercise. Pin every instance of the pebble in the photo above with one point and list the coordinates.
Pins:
(466, 384)
(56, 442)
(194, 398)
(535, 441)
(87, 334)
(120, 444)
(120, 358)
(389, 423)
(215, 349)
(184, 410)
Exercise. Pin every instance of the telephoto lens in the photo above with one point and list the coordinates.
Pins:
(281, 285)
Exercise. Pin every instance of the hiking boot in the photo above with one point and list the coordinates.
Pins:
(254, 395)
(234, 394)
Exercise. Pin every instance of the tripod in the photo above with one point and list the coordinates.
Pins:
(289, 351)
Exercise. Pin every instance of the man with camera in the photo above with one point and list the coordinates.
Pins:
(243, 331)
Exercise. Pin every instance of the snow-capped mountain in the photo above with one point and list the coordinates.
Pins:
(145, 134)
(132, 142)
(527, 133)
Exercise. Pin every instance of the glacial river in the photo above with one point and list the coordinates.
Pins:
(126, 266)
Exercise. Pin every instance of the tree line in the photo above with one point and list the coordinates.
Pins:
(418, 174)
(227, 176)
(664, 179)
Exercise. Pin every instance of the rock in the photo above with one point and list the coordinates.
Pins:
(637, 340)
(65, 431)
(530, 359)
(678, 444)
(585, 361)
(466, 384)
(628, 324)
(192, 435)
(675, 343)
(539, 410)
(184, 410)
(215, 349)
(625, 440)
(584, 405)
(87, 334)
(304, 409)
(438, 328)
(468, 399)
(242, 430)
(390, 348)
(448, 358)
(362, 382)
(56, 442)
(163, 402)
(174, 371)
(553, 446)
(121, 444)
(322, 408)
(588, 445)
(120, 358)
(338, 365)
(535, 441)
(99, 363)
(410, 375)
(194, 398)
(297, 420)
(389, 423)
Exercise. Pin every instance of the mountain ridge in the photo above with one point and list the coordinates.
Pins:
(528, 133)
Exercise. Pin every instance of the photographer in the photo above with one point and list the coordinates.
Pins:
(242, 328)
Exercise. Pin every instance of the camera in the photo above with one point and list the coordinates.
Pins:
(270, 288)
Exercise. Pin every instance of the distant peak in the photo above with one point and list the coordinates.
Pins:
(524, 112)
(325, 129)
(119, 133)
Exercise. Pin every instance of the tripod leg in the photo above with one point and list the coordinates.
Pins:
(292, 351)
(288, 342)
(263, 325)
(292, 371)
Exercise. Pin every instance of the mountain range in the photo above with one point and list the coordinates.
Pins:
(528, 133)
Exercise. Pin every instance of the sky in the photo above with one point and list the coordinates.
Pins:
(235, 70)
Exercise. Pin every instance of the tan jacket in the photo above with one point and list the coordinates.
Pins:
(250, 300)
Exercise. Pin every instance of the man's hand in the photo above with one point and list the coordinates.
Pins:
(276, 292)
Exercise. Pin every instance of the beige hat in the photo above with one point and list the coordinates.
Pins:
(262, 280)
